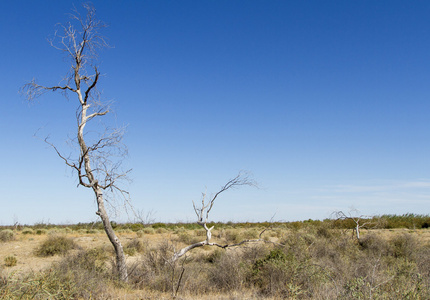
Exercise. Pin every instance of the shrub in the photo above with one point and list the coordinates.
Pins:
(56, 231)
(133, 247)
(148, 230)
(6, 235)
(159, 225)
(270, 274)
(227, 272)
(374, 244)
(41, 231)
(74, 277)
(93, 260)
(233, 236)
(10, 261)
(161, 230)
(187, 238)
(152, 271)
(27, 230)
(56, 245)
(404, 245)
(252, 233)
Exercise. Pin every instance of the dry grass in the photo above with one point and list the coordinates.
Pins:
(314, 263)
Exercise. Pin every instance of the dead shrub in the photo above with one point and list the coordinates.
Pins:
(227, 272)
(153, 271)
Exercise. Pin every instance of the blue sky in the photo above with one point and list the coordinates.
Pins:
(325, 102)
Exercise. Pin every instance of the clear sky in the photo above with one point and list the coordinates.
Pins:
(325, 102)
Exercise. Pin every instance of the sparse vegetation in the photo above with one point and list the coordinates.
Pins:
(311, 260)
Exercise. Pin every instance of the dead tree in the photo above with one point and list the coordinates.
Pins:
(202, 214)
(360, 221)
(97, 163)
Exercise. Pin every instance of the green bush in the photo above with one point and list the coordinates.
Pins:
(27, 230)
(159, 225)
(56, 245)
(10, 261)
(41, 231)
(7, 235)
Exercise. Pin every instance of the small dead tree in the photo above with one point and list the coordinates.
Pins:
(360, 221)
(97, 163)
(202, 213)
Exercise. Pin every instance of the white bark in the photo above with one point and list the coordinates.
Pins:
(80, 46)
(358, 220)
(202, 214)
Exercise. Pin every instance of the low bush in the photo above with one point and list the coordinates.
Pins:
(404, 246)
(7, 235)
(10, 261)
(312, 261)
(187, 238)
(148, 230)
(81, 276)
(233, 236)
(41, 231)
(133, 247)
(161, 230)
(56, 245)
(227, 272)
(27, 230)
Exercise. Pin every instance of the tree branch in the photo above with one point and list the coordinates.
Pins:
(206, 206)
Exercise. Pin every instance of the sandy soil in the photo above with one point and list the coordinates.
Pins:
(23, 248)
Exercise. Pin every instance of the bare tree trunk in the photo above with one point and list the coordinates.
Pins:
(119, 251)
(80, 44)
